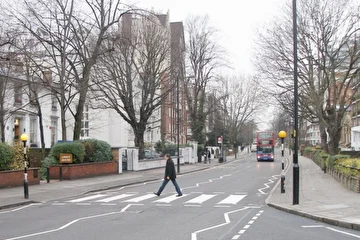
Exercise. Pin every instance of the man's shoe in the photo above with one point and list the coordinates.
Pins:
(156, 194)
(179, 195)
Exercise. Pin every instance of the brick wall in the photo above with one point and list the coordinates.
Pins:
(15, 178)
(83, 170)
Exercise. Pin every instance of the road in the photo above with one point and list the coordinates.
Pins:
(224, 202)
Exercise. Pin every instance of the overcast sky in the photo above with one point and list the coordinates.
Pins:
(235, 19)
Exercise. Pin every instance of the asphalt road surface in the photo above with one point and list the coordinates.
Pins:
(224, 202)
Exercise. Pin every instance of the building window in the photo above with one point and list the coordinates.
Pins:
(18, 93)
(85, 122)
(53, 101)
(53, 131)
(33, 130)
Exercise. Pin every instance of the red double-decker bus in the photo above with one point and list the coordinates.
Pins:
(265, 149)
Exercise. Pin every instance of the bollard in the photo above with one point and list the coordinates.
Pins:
(48, 175)
(324, 163)
(282, 183)
(60, 173)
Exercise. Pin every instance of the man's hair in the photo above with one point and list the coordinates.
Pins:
(167, 155)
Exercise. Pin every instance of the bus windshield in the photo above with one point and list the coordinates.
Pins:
(262, 149)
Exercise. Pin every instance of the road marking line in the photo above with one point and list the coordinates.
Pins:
(232, 199)
(222, 206)
(169, 199)
(313, 226)
(106, 200)
(20, 208)
(200, 199)
(83, 204)
(141, 198)
(189, 205)
(66, 225)
(242, 231)
(250, 222)
(59, 204)
(227, 221)
(235, 237)
(108, 204)
(332, 229)
(246, 226)
(87, 198)
(163, 205)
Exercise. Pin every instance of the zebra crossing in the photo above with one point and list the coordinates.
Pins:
(188, 199)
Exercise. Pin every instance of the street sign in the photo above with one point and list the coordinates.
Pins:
(65, 158)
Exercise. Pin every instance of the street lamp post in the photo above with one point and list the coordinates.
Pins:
(24, 139)
(296, 171)
(282, 135)
(178, 125)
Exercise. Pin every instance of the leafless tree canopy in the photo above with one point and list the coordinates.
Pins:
(72, 35)
(328, 60)
(204, 56)
(135, 75)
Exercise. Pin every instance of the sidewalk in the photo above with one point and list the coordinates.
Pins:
(321, 197)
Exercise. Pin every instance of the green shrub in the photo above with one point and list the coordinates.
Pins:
(45, 163)
(333, 159)
(6, 156)
(17, 162)
(97, 151)
(307, 150)
(77, 149)
(347, 166)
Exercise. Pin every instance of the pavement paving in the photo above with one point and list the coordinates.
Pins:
(321, 197)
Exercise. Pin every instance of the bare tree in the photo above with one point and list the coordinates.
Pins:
(328, 60)
(134, 79)
(72, 34)
(243, 100)
(204, 56)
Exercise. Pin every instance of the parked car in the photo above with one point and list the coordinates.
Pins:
(151, 154)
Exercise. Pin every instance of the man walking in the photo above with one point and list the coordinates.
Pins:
(170, 174)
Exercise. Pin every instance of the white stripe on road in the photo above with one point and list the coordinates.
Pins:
(232, 199)
(333, 229)
(169, 199)
(106, 200)
(87, 198)
(200, 199)
(141, 198)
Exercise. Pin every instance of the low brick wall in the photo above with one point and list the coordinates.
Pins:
(15, 178)
(351, 183)
(83, 170)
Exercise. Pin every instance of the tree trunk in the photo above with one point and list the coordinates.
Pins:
(2, 125)
(41, 127)
(333, 145)
(323, 137)
(78, 118)
(139, 140)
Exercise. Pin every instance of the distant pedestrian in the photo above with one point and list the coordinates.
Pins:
(209, 156)
(170, 174)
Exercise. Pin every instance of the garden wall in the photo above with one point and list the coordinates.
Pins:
(352, 183)
(15, 178)
(83, 170)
